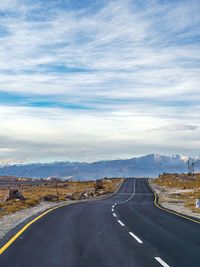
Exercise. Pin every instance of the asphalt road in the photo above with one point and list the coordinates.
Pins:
(124, 230)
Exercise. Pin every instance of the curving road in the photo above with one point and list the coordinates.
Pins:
(123, 230)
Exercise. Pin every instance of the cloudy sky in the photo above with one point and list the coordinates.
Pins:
(89, 80)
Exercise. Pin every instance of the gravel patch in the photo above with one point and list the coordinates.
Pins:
(166, 201)
(180, 208)
(8, 222)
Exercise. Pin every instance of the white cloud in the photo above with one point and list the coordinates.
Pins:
(54, 133)
(177, 127)
(136, 67)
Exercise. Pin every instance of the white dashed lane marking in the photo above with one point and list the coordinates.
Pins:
(136, 238)
(121, 223)
(161, 262)
(158, 259)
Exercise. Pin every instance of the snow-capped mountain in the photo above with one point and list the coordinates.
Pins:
(149, 166)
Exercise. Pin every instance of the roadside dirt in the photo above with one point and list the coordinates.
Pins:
(10, 221)
(170, 198)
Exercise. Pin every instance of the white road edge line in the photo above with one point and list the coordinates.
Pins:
(161, 262)
(136, 238)
(112, 209)
(121, 223)
(114, 215)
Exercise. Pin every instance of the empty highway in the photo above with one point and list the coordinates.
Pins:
(124, 230)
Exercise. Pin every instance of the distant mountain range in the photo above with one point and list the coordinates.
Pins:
(148, 166)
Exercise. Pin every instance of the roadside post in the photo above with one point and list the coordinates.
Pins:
(197, 203)
(57, 194)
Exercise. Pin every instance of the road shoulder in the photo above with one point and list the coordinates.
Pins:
(173, 210)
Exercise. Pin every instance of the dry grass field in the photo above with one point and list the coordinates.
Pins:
(49, 191)
(179, 188)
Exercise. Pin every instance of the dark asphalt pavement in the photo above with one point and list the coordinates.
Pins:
(88, 235)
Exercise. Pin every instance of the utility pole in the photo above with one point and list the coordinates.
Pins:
(193, 168)
(188, 165)
(57, 194)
